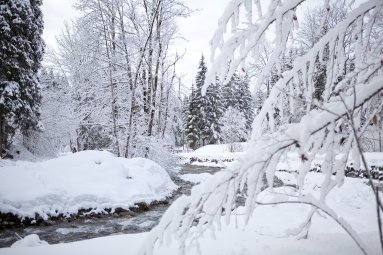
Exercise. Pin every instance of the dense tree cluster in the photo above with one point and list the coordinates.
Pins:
(55, 115)
(203, 125)
(118, 59)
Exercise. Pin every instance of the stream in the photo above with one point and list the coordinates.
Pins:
(81, 229)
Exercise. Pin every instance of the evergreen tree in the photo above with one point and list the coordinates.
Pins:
(230, 92)
(236, 94)
(201, 103)
(245, 100)
(193, 122)
(215, 93)
(22, 48)
(212, 111)
(204, 111)
(319, 78)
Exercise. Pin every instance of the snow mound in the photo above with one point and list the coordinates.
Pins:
(85, 180)
(29, 241)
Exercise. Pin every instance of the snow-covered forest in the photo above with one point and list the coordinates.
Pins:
(274, 145)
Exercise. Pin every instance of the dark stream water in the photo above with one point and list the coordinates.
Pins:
(81, 229)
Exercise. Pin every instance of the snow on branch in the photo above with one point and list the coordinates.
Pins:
(246, 39)
(353, 60)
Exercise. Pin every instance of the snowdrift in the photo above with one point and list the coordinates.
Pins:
(86, 180)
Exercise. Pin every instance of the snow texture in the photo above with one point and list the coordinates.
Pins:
(86, 180)
(216, 151)
(266, 234)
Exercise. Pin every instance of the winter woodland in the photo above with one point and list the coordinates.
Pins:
(291, 77)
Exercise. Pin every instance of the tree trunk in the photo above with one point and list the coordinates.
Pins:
(110, 52)
(155, 82)
(3, 137)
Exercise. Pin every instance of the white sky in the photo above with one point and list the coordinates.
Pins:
(197, 30)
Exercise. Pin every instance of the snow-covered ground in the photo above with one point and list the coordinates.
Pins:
(266, 233)
(292, 161)
(85, 180)
(218, 155)
(214, 155)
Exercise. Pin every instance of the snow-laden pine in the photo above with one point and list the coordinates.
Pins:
(22, 49)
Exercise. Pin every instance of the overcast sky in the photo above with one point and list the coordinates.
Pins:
(197, 30)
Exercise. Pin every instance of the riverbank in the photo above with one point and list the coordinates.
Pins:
(219, 155)
(267, 232)
(98, 225)
(79, 185)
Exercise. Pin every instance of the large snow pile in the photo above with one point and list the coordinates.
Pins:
(267, 232)
(86, 180)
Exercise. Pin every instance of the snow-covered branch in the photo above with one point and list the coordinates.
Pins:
(352, 60)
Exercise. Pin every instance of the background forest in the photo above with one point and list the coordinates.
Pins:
(113, 84)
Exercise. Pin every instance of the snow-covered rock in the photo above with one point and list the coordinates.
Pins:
(85, 180)
(29, 241)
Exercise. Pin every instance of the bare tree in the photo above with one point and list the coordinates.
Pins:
(118, 58)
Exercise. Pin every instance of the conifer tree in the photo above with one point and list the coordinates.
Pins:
(205, 110)
(193, 122)
(229, 92)
(245, 100)
(22, 48)
(236, 94)
(201, 103)
(217, 110)
(212, 111)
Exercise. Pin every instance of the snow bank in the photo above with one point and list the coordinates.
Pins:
(292, 161)
(218, 149)
(211, 154)
(84, 180)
